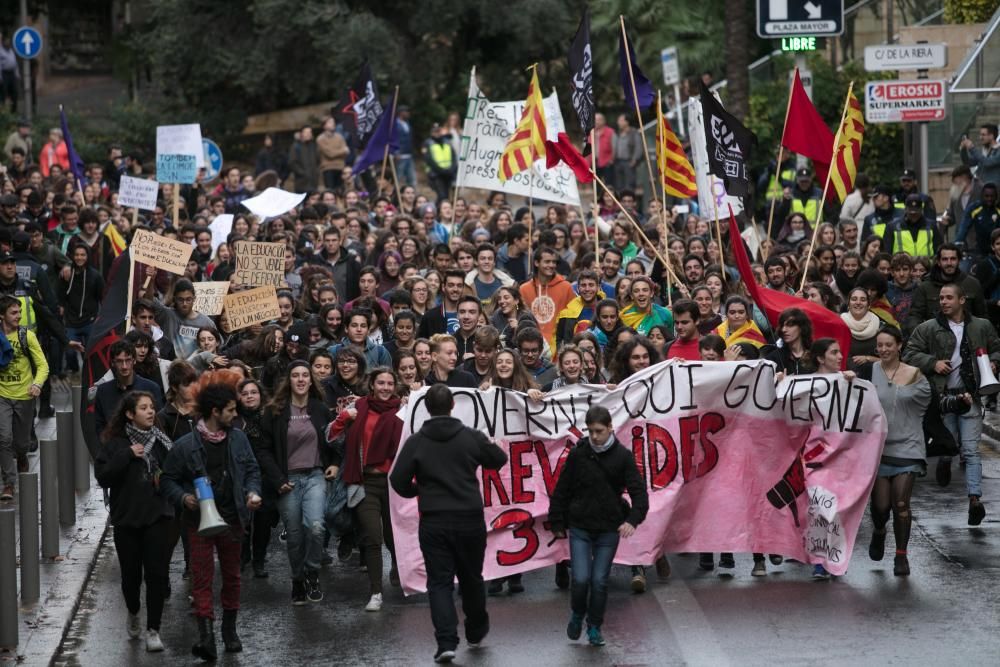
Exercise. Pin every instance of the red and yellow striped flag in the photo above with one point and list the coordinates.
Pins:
(848, 151)
(527, 144)
(118, 243)
(675, 168)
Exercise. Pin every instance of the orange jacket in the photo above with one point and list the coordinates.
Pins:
(560, 292)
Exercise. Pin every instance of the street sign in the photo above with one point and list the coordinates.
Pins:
(799, 18)
(797, 44)
(882, 57)
(213, 159)
(671, 68)
(904, 101)
(27, 42)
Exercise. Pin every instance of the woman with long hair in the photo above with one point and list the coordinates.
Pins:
(904, 393)
(847, 273)
(792, 356)
(331, 324)
(424, 356)
(296, 459)
(420, 295)
(509, 373)
(388, 271)
(408, 372)
(373, 434)
(508, 313)
(207, 355)
(147, 360)
(250, 404)
(129, 465)
(607, 320)
(347, 382)
(623, 239)
(864, 325)
(738, 326)
(570, 362)
(708, 317)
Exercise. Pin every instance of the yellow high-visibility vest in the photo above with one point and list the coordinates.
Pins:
(922, 246)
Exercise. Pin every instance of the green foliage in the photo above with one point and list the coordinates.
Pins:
(969, 11)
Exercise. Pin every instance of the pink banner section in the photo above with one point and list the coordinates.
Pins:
(731, 463)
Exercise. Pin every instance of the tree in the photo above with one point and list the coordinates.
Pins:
(737, 58)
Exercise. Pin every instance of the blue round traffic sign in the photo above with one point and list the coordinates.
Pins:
(213, 159)
(27, 42)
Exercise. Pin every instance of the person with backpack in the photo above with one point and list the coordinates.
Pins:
(587, 505)
(23, 371)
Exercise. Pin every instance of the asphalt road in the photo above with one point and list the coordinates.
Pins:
(947, 612)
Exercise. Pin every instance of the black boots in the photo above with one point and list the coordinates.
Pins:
(205, 648)
(229, 637)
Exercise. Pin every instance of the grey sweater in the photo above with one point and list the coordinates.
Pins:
(904, 407)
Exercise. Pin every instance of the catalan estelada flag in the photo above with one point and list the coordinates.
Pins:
(848, 151)
(527, 144)
(675, 168)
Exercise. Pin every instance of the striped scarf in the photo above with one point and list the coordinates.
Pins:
(148, 440)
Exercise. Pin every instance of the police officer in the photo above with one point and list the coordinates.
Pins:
(884, 215)
(914, 234)
(984, 216)
(908, 186)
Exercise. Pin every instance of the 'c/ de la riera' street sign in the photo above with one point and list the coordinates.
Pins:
(788, 18)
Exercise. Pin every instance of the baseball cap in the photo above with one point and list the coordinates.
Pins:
(915, 201)
(8, 200)
(909, 173)
(882, 189)
(298, 333)
(803, 173)
(6, 256)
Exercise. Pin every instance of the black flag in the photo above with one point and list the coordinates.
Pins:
(581, 67)
(363, 104)
(729, 145)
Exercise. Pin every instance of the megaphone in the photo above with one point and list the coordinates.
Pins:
(988, 384)
(211, 523)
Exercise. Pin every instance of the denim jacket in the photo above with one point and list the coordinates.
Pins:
(187, 461)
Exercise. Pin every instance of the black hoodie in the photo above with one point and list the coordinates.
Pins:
(438, 465)
(80, 296)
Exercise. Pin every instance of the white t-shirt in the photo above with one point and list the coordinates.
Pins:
(955, 377)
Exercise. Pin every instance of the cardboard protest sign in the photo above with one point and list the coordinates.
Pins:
(484, 136)
(258, 263)
(138, 193)
(161, 252)
(208, 297)
(273, 202)
(243, 309)
(731, 464)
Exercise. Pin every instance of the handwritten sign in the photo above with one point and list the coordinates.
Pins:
(487, 127)
(209, 297)
(161, 252)
(244, 309)
(176, 168)
(138, 193)
(180, 140)
(259, 263)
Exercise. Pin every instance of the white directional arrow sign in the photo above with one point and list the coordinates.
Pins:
(799, 18)
(27, 42)
(815, 12)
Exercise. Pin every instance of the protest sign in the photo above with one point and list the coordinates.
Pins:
(731, 463)
(220, 228)
(250, 307)
(176, 168)
(259, 263)
(273, 202)
(180, 140)
(161, 252)
(487, 126)
(208, 297)
(138, 193)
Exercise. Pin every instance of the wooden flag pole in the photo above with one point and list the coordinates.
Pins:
(777, 168)
(663, 196)
(638, 113)
(131, 297)
(385, 153)
(395, 181)
(826, 186)
(597, 204)
(135, 218)
(177, 207)
(638, 228)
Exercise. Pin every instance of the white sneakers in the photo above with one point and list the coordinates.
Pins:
(134, 629)
(153, 643)
(375, 603)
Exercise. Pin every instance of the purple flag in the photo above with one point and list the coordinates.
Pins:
(643, 88)
(75, 162)
(384, 135)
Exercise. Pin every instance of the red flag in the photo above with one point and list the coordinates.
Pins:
(825, 322)
(806, 132)
(564, 151)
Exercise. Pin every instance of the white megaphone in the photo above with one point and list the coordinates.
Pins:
(211, 523)
(988, 384)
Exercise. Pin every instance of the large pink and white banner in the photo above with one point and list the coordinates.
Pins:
(731, 462)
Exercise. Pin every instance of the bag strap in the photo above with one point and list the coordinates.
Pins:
(22, 339)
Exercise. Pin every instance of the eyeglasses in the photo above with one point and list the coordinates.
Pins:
(348, 362)
(184, 299)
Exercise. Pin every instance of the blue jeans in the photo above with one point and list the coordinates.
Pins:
(405, 171)
(967, 429)
(590, 557)
(302, 511)
(72, 356)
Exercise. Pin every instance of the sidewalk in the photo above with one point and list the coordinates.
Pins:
(43, 623)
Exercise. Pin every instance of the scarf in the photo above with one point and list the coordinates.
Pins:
(148, 440)
(210, 436)
(384, 439)
(608, 444)
(749, 332)
(642, 322)
(864, 328)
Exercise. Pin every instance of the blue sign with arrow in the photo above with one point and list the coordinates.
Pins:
(27, 42)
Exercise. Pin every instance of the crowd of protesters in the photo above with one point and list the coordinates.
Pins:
(386, 291)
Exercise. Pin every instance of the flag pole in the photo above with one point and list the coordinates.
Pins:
(597, 206)
(663, 191)
(131, 296)
(638, 228)
(638, 113)
(395, 181)
(826, 186)
(718, 229)
(781, 153)
(385, 153)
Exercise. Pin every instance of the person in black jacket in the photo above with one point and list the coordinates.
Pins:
(438, 464)
(297, 460)
(251, 400)
(587, 502)
(129, 465)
